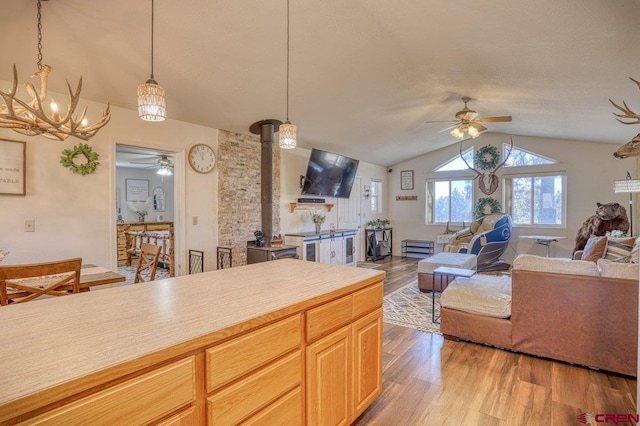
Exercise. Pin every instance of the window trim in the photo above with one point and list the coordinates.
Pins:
(430, 202)
(507, 196)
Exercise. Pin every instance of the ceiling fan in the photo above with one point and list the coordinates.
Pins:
(467, 120)
(162, 162)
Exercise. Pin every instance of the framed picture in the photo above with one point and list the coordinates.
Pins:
(406, 179)
(137, 189)
(12, 167)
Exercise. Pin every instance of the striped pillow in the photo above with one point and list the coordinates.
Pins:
(617, 251)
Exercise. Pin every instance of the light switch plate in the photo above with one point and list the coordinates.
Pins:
(30, 225)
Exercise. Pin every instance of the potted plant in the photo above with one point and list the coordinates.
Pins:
(384, 223)
(372, 224)
(318, 220)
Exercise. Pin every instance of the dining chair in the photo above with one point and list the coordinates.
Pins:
(147, 263)
(22, 283)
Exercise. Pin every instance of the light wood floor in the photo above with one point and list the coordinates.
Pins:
(430, 381)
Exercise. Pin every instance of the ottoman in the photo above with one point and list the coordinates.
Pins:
(453, 260)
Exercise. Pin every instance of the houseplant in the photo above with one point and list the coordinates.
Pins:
(318, 220)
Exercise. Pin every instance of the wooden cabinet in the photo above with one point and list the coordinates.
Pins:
(293, 355)
(344, 357)
(336, 248)
(136, 401)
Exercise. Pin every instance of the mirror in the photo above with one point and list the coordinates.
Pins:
(158, 199)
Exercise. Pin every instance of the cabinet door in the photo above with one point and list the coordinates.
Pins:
(349, 248)
(367, 361)
(330, 250)
(329, 379)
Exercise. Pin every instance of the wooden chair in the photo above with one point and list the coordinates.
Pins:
(22, 283)
(147, 263)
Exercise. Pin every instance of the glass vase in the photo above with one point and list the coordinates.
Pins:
(318, 228)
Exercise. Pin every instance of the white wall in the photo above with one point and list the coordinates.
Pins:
(155, 181)
(75, 215)
(590, 170)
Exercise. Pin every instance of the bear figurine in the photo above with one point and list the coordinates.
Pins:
(608, 217)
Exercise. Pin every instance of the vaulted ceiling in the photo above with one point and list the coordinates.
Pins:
(365, 75)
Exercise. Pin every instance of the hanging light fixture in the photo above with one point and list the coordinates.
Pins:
(29, 118)
(165, 171)
(287, 131)
(458, 132)
(151, 99)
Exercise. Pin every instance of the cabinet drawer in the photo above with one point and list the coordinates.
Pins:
(238, 401)
(237, 357)
(137, 401)
(367, 300)
(328, 317)
(285, 411)
(184, 418)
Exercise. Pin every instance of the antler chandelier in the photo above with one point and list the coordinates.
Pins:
(29, 118)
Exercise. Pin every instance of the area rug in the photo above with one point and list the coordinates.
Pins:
(409, 307)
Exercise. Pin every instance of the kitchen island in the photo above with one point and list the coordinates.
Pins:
(287, 340)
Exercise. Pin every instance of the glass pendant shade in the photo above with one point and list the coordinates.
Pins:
(457, 133)
(287, 132)
(473, 132)
(164, 171)
(151, 101)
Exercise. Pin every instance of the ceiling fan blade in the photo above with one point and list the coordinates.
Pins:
(448, 128)
(494, 119)
(443, 121)
(478, 126)
(144, 162)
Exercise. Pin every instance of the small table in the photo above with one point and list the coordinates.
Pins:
(447, 273)
(544, 240)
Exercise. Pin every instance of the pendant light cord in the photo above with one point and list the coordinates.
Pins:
(287, 60)
(152, 13)
(39, 35)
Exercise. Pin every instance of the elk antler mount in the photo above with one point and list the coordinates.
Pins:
(488, 181)
(631, 148)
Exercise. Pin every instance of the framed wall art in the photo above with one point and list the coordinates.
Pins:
(137, 189)
(12, 167)
(406, 179)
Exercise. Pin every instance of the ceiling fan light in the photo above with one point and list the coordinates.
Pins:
(164, 171)
(151, 101)
(473, 132)
(287, 135)
(457, 133)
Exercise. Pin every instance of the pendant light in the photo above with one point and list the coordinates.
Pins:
(28, 117)
(287, 131)
(151, 98)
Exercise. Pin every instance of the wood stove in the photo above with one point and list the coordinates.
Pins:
(255, 253)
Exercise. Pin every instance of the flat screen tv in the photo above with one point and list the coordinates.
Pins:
(329, 174)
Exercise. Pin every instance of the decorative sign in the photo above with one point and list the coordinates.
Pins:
(406, 179)
(406, 197)
(137, 189)
(12, 167)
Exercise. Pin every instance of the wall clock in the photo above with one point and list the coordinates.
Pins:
(202, 159)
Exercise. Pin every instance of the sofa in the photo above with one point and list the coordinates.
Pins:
(578, 311)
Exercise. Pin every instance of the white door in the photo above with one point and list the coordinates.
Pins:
(350, 214)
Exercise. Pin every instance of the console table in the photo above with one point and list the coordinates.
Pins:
(378, 243)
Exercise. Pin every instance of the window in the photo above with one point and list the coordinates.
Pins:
(536, 200)
(457, 163)
(449, 201)
(376, 196)
(521, 157)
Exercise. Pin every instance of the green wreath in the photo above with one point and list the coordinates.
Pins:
(478, 208)
(487, 157)
(69, 155)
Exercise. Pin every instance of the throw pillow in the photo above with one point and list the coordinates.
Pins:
(595, 248)
(619, 250)
(635, 253)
